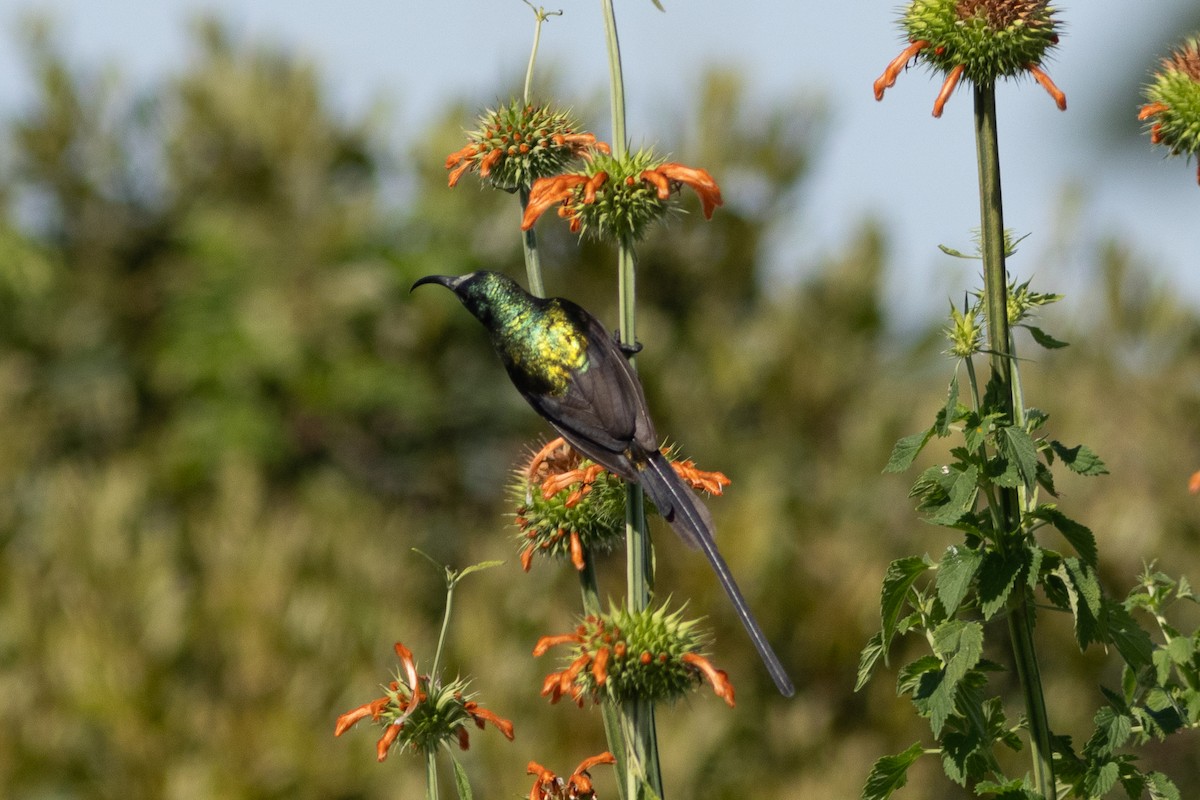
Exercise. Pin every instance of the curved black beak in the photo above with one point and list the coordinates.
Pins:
(449, 281)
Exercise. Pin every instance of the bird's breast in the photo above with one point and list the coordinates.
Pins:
(544, 351)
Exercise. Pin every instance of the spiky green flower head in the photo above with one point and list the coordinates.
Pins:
(517, 143)
(1173, 101)
(981, 40)
(990, 38)
(420, 714)
(618, 198)
(965, 330)
(653, 654)
(586, 516)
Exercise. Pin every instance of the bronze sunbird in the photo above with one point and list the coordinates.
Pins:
(574, 373)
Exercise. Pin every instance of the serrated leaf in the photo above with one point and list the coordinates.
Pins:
(1083, 589)
(960, 496)
(912, 681)
(997, 576)
(946, 415)
(906, 450)
(1161, 787)
(1112, 730)
(954, 576)
(1080, 459)
(460, 780)
(1101, 779)
(1130, 639)
(1034, 573)
(890, 773)
(867, 660)
(1079, 536)
(959, 645)
(1045, 479)
(1044, 339)
(901, 575)
(1019, 448)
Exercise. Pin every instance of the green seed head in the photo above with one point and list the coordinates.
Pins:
(1173, 101)
(990, 39)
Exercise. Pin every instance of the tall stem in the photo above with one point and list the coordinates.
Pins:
(995, 281)
(431, 785)
(529, 245)
(641, 747)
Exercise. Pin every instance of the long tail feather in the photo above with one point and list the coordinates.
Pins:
(690, 519)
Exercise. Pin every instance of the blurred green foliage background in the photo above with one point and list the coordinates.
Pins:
(224, 423)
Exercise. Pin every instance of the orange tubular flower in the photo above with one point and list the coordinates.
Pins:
(1194, 483)
(699, 179)
(548, 191)
(717, 677)
(578, 786)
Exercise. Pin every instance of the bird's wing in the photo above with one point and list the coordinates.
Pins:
(603, 411)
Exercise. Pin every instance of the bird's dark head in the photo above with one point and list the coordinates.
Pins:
(484, 293)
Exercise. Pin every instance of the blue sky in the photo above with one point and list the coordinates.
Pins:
(1069, 177)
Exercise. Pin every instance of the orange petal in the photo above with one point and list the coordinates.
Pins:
(546, 192)
(489, 161)
(463, 154)
(700, 180)
(1060, 99)
(546, 642)
(947, 89)
(527, 558)
(888, 79)
(577, 558)
(347, 721)
(604, 758)
(1152, 109)
(659, 181)
(410, 667)
(593, 185)
(542, 455)
(717, 677)
(501, 724)
(600, 666)
(458, 173)
(1194, 483)
(385, 742)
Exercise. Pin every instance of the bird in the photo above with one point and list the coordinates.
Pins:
(576, 375)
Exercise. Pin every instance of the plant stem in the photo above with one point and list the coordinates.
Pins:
(995, 281)
(437, 655)
(431, 786)
(529, 244)
(642, 771)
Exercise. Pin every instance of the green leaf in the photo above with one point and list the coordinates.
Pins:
(900, 577)
(1100, 780)
(960, 497)
(1079, 536)
(868, 659)
(959, 645)
(954, 576)
(1130, 639)
(946, 415)
(1112, 730)
(482, 565)
(1161, 787)
(1019, 448)
(919, 678)
(1080, 459)
(460, 780)
(906, 450)
(1044, 339)
(890, 773)
(1083, 591)
(997, 576)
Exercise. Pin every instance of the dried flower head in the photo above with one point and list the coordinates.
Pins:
(421, 714)
(577, 786)
(568, 505)
(653, 654)
(618, 198)
(1173, 108)
(980, 40)
(518, 143)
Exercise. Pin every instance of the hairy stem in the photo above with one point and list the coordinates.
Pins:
(431, 786)
(1020, 613)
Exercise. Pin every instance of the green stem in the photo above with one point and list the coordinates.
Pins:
(590, 591)
(529, 244)
(615, 79)
(995, 281)
(431, 783)
(437, 655)
(642, 773)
